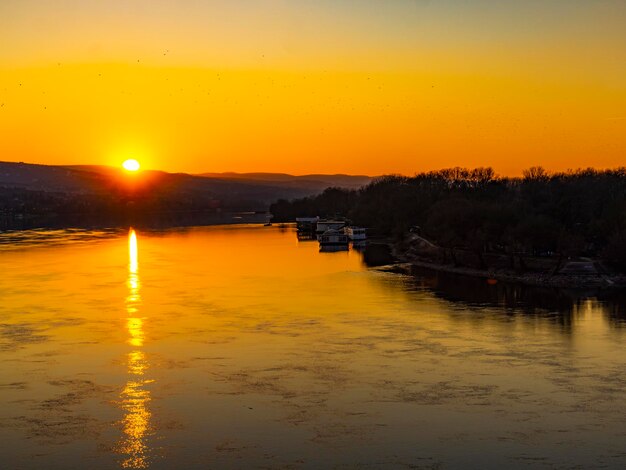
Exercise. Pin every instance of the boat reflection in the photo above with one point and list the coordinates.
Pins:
(359, 245)
(333, 248)
(136, 396)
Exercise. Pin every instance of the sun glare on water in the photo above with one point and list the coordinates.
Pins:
(131, 165)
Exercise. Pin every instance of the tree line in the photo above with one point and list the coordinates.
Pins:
(567, 214)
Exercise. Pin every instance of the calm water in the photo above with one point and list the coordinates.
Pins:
(240, 347)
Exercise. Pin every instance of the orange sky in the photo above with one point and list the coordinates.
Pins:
(314, 86)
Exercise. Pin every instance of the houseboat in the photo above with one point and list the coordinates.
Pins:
(333, 238)
(306, 224)
(324, 225)
(356, 234)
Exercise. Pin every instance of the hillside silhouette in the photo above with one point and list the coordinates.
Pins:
(102, 195)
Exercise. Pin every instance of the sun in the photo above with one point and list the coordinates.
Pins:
(131, 165)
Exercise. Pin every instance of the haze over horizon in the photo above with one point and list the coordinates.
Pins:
(314, 86)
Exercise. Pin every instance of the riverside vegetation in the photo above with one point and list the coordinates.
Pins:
(477, 219)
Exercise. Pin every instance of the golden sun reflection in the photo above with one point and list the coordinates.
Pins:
(136, 423)
(135, 397)
(135, 329)
(133, 263)
(133, 299)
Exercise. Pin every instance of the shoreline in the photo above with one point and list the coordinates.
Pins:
(405, 262)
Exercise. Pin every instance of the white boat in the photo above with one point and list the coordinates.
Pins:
(333, 238)
(355, 233)
(324, 225)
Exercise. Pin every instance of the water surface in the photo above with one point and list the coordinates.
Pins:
(241, 347)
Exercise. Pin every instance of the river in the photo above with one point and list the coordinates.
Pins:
(242, 347)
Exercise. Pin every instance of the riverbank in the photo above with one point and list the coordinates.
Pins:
(407, 256)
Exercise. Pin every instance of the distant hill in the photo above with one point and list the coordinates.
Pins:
(48, 178)
(314, 182)
(240, 191)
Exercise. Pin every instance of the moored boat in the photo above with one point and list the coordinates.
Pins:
(333, 238)
(324, 225)
(306, 224)
(355, 233)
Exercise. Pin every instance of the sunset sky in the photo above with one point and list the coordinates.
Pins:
(367, 87)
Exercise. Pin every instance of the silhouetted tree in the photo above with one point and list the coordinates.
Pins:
(562, 214)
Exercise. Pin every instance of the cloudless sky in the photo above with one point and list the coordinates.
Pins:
(395, 86)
